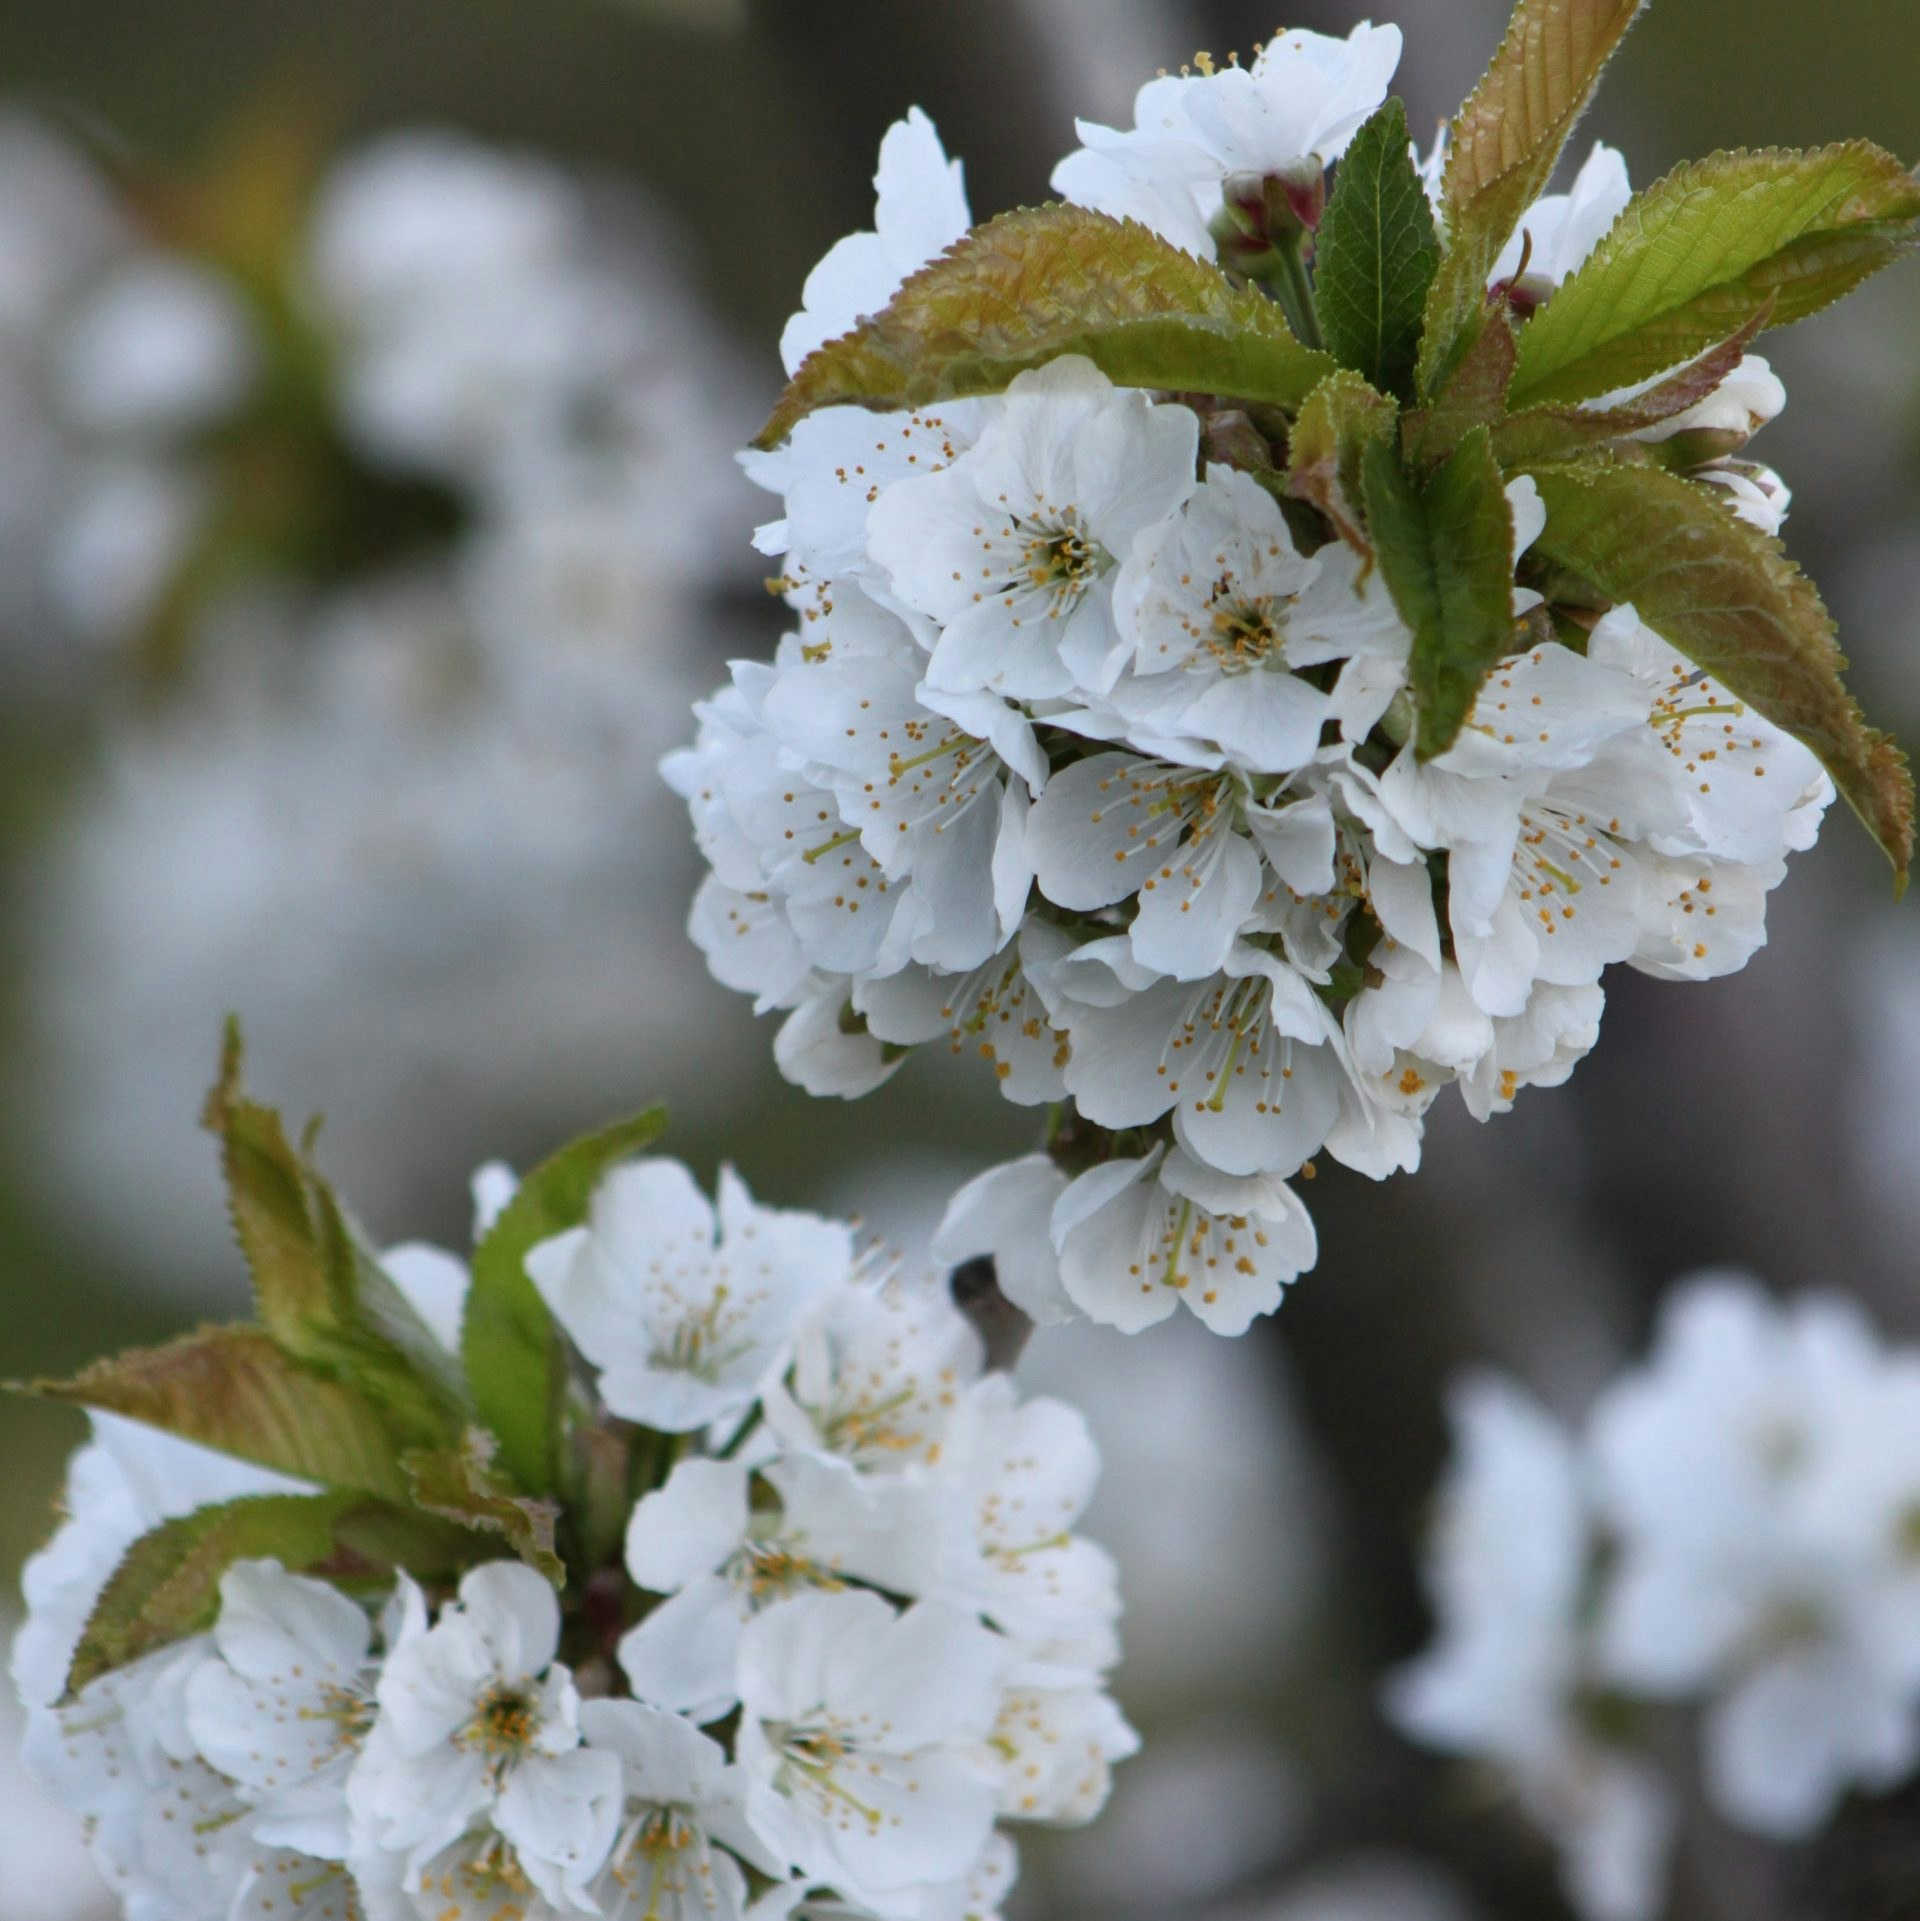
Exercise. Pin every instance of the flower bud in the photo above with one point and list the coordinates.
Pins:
(1296, 197)
(1701, 447)
(1525, 294)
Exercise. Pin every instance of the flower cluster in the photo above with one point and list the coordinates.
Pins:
(844, 1631)
(1735, 1528)
(1097, 751)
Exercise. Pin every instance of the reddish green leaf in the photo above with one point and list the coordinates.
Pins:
(1505, 144)
(1560, 432)
(232, 1389)
(1693, 258)
(319, 1290)
(462, 1484)
(1034, 285)
(1473, 395)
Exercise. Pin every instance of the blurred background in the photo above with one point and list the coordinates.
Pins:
(369, 378)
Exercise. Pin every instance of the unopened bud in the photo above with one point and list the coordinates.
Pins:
(1524, 295)
(1700, 447)
(1296, 197)
(1240, 239)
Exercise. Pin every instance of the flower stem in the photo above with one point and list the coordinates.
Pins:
(1294, 287)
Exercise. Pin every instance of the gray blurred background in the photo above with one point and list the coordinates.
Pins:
(1274, 1490)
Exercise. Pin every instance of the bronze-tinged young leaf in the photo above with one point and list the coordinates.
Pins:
(1725, 595)
(1046, 281)
(1473, 395)
(1446, 551)
(232, 1389)
(1342, 418)
(168, 1586)
(1376, 256)
(320, 1292)
(1692, 259)
(462, 1484)
(513, 1357)
(1554, 433)
(1505, 143)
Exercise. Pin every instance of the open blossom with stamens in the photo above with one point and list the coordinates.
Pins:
(701, 1542)
(684, 1312)
(285, 1706)
(859, 1732)
(1013, 549)
(1090, 758)
(478, 1740)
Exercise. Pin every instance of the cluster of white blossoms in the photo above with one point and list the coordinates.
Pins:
(1082, 757)
(854, 1630)
(1737, 1527)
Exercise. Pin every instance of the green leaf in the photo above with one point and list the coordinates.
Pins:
(1342, 418)
(1446, 551)
(1377, 254)
(1554, 433)
(1692, 259)
(1046, 281)
(1505, 144)
(168, 1586)
(513, 1355)
(320, 1292)
(1473, 395)
(1726, 596)
(232, 1389)
(462, 1484)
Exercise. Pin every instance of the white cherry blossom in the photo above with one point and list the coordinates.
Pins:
(1137, 1239)
(1759, 1473)
(1013, 549)
(860, 1732)
(1291, 114)
(1026, 1471)
(930, 796)
(680, 1796)
(995, 1013)
(477, 1748)
(1559, 231)
(718, 1559)
(1055, 1742)
(878, 1372)
(685, 1311)
(1746, 782)
(1130, 1240)
(285, 1707)
(1247, 1062)
(1115, 826)
(1220, 607)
